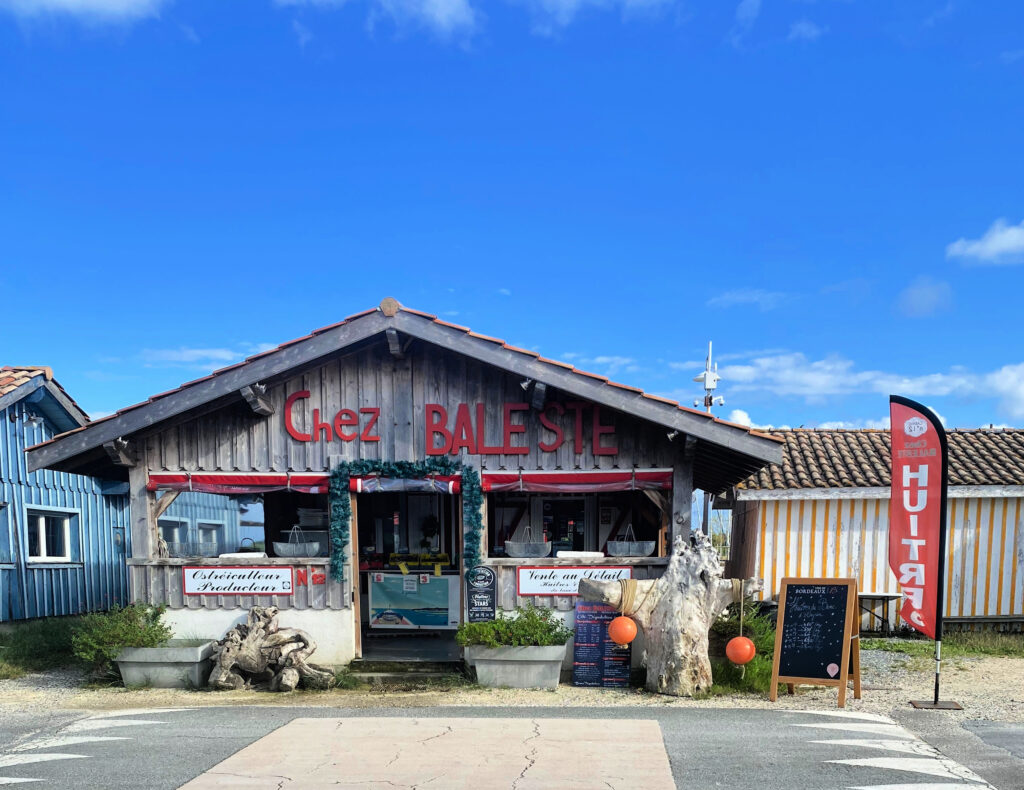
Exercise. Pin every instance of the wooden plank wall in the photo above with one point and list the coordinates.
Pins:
(984, 563)
(235, 439)
(163, 583)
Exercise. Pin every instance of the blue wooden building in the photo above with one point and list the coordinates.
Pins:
(64, 537)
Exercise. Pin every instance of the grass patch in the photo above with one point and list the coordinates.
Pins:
(36, 645)
(963, 644)
(757, 676)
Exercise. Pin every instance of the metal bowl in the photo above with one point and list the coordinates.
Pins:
(515, 548)
(630, 548)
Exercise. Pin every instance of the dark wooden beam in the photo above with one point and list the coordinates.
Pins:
(256, 396)
(120, 452)
(539, 396)
(394, 343)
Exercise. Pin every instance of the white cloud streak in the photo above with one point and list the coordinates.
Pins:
(764, 300)
(1002, 243)
(925, 297)
(199, 358)
(805, 30)
(85, 10)
(746, 15)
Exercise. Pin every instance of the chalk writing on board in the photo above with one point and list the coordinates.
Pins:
(813, 630)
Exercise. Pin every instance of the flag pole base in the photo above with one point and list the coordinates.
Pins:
(942, 704)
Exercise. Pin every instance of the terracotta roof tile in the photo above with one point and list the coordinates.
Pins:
(13, 376)
(860, 459)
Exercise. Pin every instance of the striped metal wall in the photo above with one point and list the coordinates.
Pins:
(984, 563)
(97, 578)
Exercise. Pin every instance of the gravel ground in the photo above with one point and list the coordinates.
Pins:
(988, 688)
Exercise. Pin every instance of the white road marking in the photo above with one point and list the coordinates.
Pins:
(935, 766)
(88, 725)
(7, 760)
(888, 730)
(904, 747)
(917, 786)
(59, 741)
(113, 714)
(845, 714)
(11, 780)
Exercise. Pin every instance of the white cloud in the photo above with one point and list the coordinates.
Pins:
(764, 300)
(805, 30)
(854, 425)
(504, 292)
(746, 15)
(302, 33)
(200, 358)
(1002, 243)
(87, 10)
(549, 16)
(443, 17)
(925, 297)
(794, 375)
(741, 417)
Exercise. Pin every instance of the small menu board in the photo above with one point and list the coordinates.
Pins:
(596, 659)
(817, 635)
(482, 594)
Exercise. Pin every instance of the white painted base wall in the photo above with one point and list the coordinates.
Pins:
(332, 629)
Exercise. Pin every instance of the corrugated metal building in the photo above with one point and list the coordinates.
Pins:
(824, 511)
(64, 537)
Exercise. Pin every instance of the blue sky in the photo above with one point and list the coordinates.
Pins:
(831, 191)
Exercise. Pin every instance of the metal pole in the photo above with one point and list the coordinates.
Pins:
(939, 593)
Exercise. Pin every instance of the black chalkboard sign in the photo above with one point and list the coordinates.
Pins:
(816, 635)
(596, 659)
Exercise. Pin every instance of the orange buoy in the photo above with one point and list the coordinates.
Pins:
(622, 630)
(740, 650)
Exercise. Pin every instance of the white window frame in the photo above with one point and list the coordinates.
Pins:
(218, 529)
(35, 519)
(183, 525)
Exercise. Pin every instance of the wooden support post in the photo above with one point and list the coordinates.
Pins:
(141, 508)
(164, 502)
(256, 396)
(120, 451)
(682, 492)
(357, 615)
(394, 343)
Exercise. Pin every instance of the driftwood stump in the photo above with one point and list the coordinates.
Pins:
(259, 651)
(676, 612)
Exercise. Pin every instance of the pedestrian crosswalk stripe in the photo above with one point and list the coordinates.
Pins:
(8, 760)
(11, 780)
(60, 741)
(88, 725)
(932, 766)
(889, 730)
(845, 714)
(904, 747)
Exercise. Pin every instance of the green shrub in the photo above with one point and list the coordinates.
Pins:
(528, 627)
(35, 646)
(100, 637)
(757, 676)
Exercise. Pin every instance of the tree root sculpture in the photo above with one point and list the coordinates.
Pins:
(676, 612)
(261, 653)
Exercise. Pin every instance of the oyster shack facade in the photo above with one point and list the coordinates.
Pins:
(452, 451)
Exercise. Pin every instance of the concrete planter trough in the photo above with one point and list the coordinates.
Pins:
(516, 667)
(177, 665)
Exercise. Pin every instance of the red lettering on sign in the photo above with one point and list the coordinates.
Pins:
(345, 418)
(319, 578)
(463, 431)
(602, 430)
(300, 577)
(288, 424)
(554, 427)
(367, 435)
(437, 420)
(319, 427)
(509, 429)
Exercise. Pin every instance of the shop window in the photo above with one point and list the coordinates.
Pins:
(50, 536)
(210, 532)
(197, 524)
(578, 522)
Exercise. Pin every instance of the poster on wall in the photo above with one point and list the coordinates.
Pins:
(482, 594)
(413, 601)
(596, 659)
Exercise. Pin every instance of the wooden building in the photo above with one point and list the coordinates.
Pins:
(565, 457)
(64, 537)
(824, 511)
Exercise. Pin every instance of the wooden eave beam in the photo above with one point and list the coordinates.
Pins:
(256, 396)
(394, 343)
(120, 452)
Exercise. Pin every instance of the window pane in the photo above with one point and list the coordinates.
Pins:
(55, 536)
(208, 533)
(33, 536)
(169, 530)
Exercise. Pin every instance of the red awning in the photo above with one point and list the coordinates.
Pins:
(578, 482)
(316, 482)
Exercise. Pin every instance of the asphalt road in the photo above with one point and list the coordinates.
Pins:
(707, 748)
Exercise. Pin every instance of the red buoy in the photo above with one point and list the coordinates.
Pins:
(740, 650)
(622, 630)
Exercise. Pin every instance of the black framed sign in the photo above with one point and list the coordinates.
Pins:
(481, 594)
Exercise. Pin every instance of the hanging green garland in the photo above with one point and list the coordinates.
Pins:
(341, 508)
